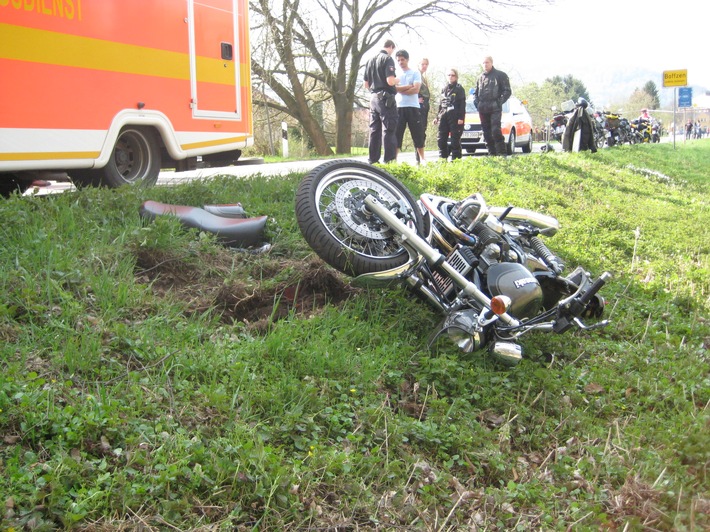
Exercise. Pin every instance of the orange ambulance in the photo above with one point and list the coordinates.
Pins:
(111, 91)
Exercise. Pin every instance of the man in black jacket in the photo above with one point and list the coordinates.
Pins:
(451, 116)
(492, 91)
(380, 80)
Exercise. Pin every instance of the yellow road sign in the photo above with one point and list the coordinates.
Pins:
(675, 78)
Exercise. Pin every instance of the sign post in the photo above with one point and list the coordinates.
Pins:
(675, 78)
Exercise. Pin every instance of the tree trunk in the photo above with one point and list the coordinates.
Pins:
(315, 48)
(344, 126)
(315, 133)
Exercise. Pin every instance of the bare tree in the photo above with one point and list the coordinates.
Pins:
(316, 48)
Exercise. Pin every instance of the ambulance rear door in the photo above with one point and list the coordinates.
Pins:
(214, 59)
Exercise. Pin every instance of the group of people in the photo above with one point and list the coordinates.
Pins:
(694, 130)
(401, 100)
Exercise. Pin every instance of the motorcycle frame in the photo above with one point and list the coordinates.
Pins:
(416, 245)
(420, 251)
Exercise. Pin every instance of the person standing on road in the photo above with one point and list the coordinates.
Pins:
(380, 80)
(492, 91)
(408, 105)
(424, 98)
(450, 118)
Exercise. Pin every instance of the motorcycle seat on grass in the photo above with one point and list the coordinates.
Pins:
(230, 231)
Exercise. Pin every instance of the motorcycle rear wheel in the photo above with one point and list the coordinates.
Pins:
(338, 226)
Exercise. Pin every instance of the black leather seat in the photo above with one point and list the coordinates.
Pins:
(234, 232)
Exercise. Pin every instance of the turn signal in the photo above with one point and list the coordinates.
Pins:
(500, 304)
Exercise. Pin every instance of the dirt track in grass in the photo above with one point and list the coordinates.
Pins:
(254, 290)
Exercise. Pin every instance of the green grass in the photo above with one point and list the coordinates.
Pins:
(150, 378)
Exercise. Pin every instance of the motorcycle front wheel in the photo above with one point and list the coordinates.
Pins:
(337, 224)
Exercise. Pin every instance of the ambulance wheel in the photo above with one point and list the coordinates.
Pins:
(135, 159)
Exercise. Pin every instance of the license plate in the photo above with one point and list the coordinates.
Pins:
(470, 135)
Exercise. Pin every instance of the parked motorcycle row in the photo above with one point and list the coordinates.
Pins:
(609, 128)
(618, 130)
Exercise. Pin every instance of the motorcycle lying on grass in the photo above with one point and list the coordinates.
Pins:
(485, 268)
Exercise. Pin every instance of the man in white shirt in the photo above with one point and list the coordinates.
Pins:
(408, 104)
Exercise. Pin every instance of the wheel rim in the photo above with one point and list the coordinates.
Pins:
(131, 156)
(340, 202)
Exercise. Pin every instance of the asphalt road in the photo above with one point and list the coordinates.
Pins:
(250, 167)
(246, 168)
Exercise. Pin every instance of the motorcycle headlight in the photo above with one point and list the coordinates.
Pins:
(462, 329)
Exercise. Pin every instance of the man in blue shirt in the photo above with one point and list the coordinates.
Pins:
(408, 107)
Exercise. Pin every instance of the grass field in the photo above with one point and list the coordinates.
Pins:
(152, 379)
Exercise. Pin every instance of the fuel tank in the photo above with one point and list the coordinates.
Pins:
(516, 282)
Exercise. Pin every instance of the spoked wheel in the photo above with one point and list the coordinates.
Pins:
(336, 223)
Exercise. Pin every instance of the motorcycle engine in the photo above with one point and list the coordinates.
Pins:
(515, 281)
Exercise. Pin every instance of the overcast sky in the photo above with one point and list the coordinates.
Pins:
(612, 46)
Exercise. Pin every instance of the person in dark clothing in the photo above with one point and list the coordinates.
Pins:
(380, 80)
(579, 132)
(450, 118)
(492, 91)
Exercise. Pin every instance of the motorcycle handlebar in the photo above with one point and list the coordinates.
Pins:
(596, 286)
(571, 308)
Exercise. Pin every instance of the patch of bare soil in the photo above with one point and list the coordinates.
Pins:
(255, 290)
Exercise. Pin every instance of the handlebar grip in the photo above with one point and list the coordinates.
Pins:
(505, 213)
(596, 286)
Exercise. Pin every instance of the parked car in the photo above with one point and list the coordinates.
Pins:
(516, 126)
